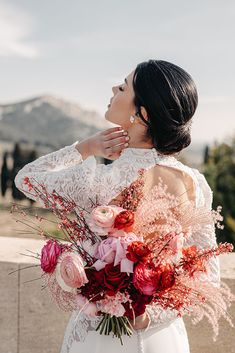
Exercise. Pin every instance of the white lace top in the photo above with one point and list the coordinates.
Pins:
(66, 172)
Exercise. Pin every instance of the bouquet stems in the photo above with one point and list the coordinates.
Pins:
(117, 325)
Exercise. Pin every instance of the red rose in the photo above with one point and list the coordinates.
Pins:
(114, 280)
(124, 219)
(137, 250)
(49, 255)
(95, 285)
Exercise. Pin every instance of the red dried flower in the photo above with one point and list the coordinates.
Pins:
(28, 183)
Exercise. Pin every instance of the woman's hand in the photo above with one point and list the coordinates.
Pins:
(141, 322)
(107, 144)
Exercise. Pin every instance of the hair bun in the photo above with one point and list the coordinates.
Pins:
(170, 98)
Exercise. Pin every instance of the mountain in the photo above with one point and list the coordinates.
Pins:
(48, 120)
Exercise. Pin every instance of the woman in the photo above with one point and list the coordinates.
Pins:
(153, 108)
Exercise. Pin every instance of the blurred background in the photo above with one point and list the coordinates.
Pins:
(59, 60)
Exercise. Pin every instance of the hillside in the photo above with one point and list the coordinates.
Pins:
(47, 120)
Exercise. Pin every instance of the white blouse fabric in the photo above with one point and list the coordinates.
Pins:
(86, 181)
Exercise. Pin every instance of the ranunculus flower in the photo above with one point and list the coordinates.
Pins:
(145, 278)
(49, 255)
(124, 220)
(70, 273)
(137, 250)
(102, 218)
(114, 279)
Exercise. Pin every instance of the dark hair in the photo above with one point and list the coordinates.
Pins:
(169, 95)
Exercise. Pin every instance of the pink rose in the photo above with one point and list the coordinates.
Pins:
(70, 272)
(113, 250)
(102, 218)
(88, 308)
(49, 255)
(106, 250)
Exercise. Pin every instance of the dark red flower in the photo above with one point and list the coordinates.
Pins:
(137, 251)
(114, 279)
(138, 304)
(94, 288)
(124, 219)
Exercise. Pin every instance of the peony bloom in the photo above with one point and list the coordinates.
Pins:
(70, 273)
(49, 255)
(102, 218)
(149, 279)
(145, 279)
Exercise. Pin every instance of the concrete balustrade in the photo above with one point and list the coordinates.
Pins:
(31, 323)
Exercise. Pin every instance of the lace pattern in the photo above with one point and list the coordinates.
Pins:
(66, 172)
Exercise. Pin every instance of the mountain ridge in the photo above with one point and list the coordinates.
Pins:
(47, 118)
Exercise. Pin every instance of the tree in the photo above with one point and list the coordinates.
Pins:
(219, 170)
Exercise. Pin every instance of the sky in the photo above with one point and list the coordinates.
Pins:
(77, 50)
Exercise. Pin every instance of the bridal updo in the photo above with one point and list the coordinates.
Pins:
(169, 95)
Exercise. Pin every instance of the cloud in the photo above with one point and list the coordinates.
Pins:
(15, 30)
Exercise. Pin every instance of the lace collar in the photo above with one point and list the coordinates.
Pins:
(135, 152)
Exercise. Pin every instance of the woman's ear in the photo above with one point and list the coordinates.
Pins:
(144, 112)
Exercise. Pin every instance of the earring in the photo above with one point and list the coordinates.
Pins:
(132, 119)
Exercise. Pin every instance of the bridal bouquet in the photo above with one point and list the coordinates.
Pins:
(117, 259)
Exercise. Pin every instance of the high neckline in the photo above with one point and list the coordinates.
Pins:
(144, 151)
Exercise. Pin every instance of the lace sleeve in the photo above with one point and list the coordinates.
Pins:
(63, 170)
(205, 238)
(84, 181)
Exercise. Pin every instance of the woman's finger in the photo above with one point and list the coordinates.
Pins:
(112, 129)
(116, 141)
(117, 148)
(114, 135)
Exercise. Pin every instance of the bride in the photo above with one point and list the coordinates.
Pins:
(153, 109)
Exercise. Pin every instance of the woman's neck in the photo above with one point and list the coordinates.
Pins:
(138, 137)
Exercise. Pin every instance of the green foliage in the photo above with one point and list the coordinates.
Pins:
(219, 170)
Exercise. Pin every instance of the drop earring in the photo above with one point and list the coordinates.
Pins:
(132, 119)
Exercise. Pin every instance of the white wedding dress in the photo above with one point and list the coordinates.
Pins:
(66, 172)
